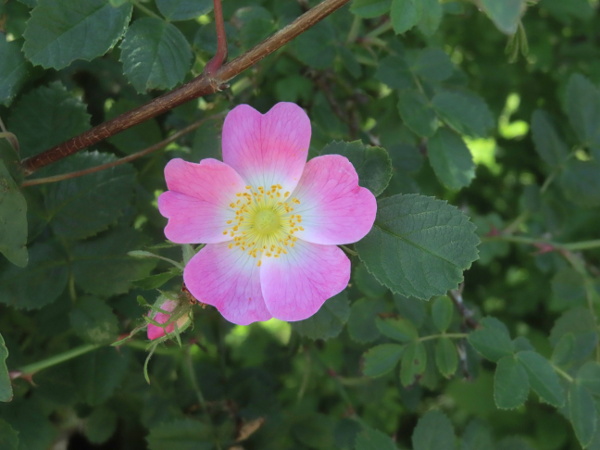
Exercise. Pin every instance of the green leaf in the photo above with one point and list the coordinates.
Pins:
(13, 71)
(43, 281)
(373, 164)
(97, 374)
(45, 117)
(505, 14)
(9, 437)
(369, 8)
(13, 218)
(395, 72)
(316, 47)
(416, 112)
(547, 142)
(434, 431)
(328, 322)
(581, 182)
(93, 320)
(101, 266)
(446, 357)
(419, 245)
(371, 439)
(361, 324)
(564, 11)
(183, 434)
(511, 383)
(59, 33)
(431, 16)
(589, 377)
(450, 159)
(397, 328)
(184, 9)
(442, 311)
(366, 283)
(381, 359)
(6, 392)
(582, 413)
(477, 436)
(155, 54)
(542, 378)
(83, 206)
(100, 425)
(405, 14)
(464, 111)
(135, 138)
(413, 363)
(432, 64)
(582, 104)
(492, 339)
(574, 334)
(568, 289)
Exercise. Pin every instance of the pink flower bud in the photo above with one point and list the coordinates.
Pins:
(155, 331)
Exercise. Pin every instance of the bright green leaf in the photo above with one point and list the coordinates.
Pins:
(542, 378)
(381, 359)
(373, 164)
(13, 71)
(446, 357)
(413, 363)
(93, 320)
(547, 142)
(442, 311)
(6, 392)
(405, 14)
(13, 218)
(397, 328)
(582, 413)
(155, 54)
(9, 437)
(511, 383)
(492, 339)
(370, 8)
(434, 431)
(99, 373)
(582, 104)
(184, 9)
(328, 322)
(450, 159)
(505, 14)
(464, 111)
(581, 182)
(416, 112)
(371, 439)
(59, 33)
(419, 246)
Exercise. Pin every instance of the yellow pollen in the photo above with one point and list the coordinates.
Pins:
(263, 222)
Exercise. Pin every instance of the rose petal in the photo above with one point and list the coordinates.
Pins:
(333, 207)
(229, 280)
(197, 204)
(154, 331)
(267, 149)
(297, 284)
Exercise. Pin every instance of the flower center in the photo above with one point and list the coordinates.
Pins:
(264, 223)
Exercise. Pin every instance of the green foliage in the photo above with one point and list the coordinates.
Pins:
(6, 392)
(434, 431)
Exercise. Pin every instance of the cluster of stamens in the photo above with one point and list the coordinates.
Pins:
(264, 223)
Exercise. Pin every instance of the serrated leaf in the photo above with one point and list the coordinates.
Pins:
(450, 159)
(361, 324)
(511, 383)
(13, 219)
(6, 392)
(506, 14)
(183, 434)
(574, 336)
(381, 359)
(371, 439)
(100, 425)
(582, 413)
(184, 9)
(405, 14)
(542, 378)
(413, 363)
(369, 8)
(101, 266)
(373, 164)
(434, 431)
(416, 112)
(83, 206)
(582, 104)
(432, 64)
(464, 111)
(60, 31)
(589, 377)
(328, 322)
(13, 71)
(43, 281)
(546, 140)
(155, 54)
(93, 320)
(397, 328)
(446, 357)
(442, 311)
(97, 374)
(492, 339)
(45, 117)
(419, 246)
(9, 437)
(581, 182)
(367, 283)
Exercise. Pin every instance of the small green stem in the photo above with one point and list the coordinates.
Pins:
(31, 369)
(441, 335)
(570, 246)
(349, 250)
(383, 28)
(354, 29)
(562, 373)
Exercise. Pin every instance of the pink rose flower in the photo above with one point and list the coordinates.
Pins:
(271, 220)
(155, 331)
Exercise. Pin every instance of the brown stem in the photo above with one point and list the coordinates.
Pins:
(118, 162)
(200, 86)
(221, 55)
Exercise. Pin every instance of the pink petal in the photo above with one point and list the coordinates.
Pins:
(333, 207)
(297, 284)
(197, 203)
(154, 331)
(229, 280)
(267, 149)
